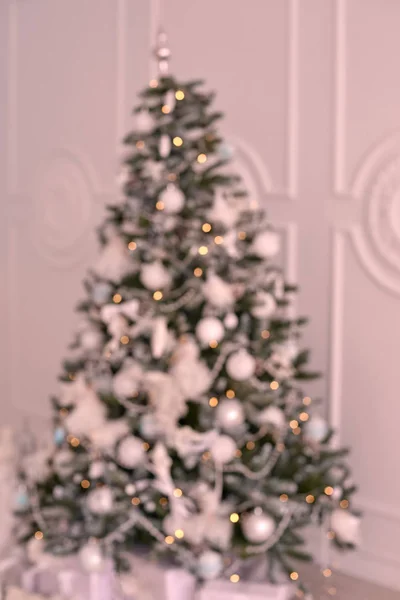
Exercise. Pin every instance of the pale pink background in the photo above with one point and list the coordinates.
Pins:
(312, 95)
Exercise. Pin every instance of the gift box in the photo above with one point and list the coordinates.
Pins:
(246, 590)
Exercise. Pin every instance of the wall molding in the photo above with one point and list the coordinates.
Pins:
(339, 157)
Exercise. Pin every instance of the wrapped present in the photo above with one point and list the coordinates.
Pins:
(246, 590)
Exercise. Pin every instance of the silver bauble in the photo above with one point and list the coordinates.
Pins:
(272, 415)
(100, 501)
(230, 414)
(266, 244)
(130, 452)
(223, 449)
(257, 527)
(264, 305)
(155, 276)
(241, 365)
(210, 565)
(231, 321)
(173, 199)
(316, 428)
(209, 329)
(91, 557)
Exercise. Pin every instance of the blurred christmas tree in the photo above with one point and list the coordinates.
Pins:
(182, 423)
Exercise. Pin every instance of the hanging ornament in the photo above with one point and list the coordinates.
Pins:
(89, 414)
(144, 122)
(217, 292)
(91, 557)
(91, 339)
(231, 321)
(230, 414)
(164, 146)
(115, 261)
(346, 526)
(266, 244)
(96, 469)
(101, 292)
(130, 452)
(222, 212)
(316, 428)
(225, 151)
(210, 565)
(172, 198)
(223, 449)
(209, 329)
(100, 501)
(155, 276)
(170, 100)
(126, 382)
(257, 527)
(149, 427)
(59, 436)
(159, 337)
(272, 415)
(241, 365)
(264, 305)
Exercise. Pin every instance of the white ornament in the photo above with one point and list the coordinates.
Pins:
(89, 414)
(223, 449)
(241, 365)
(101, 292)
(91, 339)
(230, 414)
(130, 452)
(231, 321)
(126, 382)
(173, 199)
(91, 557)
(222, 212)
(115, 261)
(258, 527)
(170, 99)
(100, 501)
(164, 146)
(191, 374)
(155, 276)
(96, 469)
(159, 337)
(272, 415)
(266, 244)
(209, 329)
(346, 526)
(149, 427)
(264, 305)
(209, 565)
(106, 437)
(144, 122)
(217, 292)
(316, 428)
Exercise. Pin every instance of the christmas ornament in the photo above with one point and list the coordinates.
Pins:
(149, 427)
(164, 146)
(101, 292)
(346, 526)
(266, 244)
(170, 100)
(209, 565)
(96, 469)
(257, 527)
(241, 365)
(172, 198)
(230, 414)
(126, 382)
(165, 398)
(225, 151)
(221, 212)
(190, 443)
(316, 428)
(223, 449)
(209, 329)
(130, 452)
(190, 373)
(144, 122)
(159, 337)
(91, 339)
(217, 292)
(108, 435)
(91, 557)
(115, 261)
(155, 276)
(89, 414)
(59, 436)
(100, 501)
(272, 415)
(264, 305)
(231, 321)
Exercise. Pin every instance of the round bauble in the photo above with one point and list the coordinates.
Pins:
(209, 329)
(218, 292)
(264, 305)
(266, 244)
(59, 436)
(144, 122)
(96, 469)
(172, 198)
(225, 151)
(130, 452)
(241, 365)
(223, 449)
(91, 339)
(91, 557)
(272, 415)
(209, 565)
(100, 501)
(316, 428)
(230, 414)
(101, 292)
(164, 146)
(258, 527)
(231, 321)
(155, 276)
(149, 427)
(346, 526)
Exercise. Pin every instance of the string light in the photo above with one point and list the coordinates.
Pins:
(294, 576)
(74, 442)
(327, 572)
(177, 141)
(203, 250)
(117, 298)
(163, 501)
(169, 540)
(71, 376)
(166, 109)
(135, 501)
(310, 499)
(283, 497)
(140, 144)
(234, 518)
(293, 424)
(304, 416)
(328, 490)
(132, 245)
(198, 272)
(265, 334)
(296, 431)
(39, 535)
(330, 535)
(179, 95)
(206, 227)
(234, 578)
(344, 504)
(206, 456)
(242, 235)
(213, 344)
(177, 493)
(63, 412)
(250, 445)
(85, 484)
(201, 158)
(280, 447)
(171, 177)
(179, 533)
(274, 385)
(219, 239)
(213, 402)
(153, 83)
(230, 394)
(146, 446)
(307, 401)
(124, 340)
(238, 453)
(160, 205)
(157, 295)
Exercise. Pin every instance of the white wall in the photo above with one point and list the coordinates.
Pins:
(312, 96)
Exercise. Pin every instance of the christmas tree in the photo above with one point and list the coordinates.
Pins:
(182, 425)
